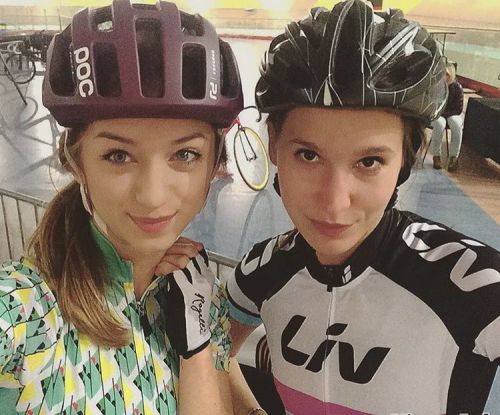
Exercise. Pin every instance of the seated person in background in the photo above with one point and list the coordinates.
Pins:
(452, 116)
(367, 309)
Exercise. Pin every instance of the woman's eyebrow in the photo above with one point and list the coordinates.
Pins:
(126, 140)
(115, 137)
(305, 143)
(190, 137)
(376, 149)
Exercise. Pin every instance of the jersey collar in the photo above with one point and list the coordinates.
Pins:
(117, 268)
(365, 255)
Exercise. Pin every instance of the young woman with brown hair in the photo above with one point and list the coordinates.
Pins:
(86, 324)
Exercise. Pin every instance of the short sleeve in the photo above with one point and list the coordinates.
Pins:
(241, 307)
(29, 324)
(251, 281)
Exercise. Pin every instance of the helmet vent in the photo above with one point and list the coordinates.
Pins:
(103, 19)
(194, 74)
(141, 6)
(61, 74)
(149, 51)
(107, 71)
(229, 71)
(191, 24)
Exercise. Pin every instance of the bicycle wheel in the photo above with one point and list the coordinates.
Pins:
(251, 158)
(21, 68)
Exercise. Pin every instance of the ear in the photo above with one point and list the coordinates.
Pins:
(273, 138)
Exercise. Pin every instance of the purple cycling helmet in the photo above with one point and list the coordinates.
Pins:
(141, 61)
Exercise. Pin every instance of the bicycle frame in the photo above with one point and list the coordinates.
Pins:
(249, 145)
(250, 155)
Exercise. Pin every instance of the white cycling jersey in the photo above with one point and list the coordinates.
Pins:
(409, 324)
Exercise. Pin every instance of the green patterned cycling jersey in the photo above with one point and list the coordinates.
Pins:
(48, 367)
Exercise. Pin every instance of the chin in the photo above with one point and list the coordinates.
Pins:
(148, 244)
(159, 243)
(326, 248)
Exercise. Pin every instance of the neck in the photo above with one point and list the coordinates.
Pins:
(140, 264)
(143, 272)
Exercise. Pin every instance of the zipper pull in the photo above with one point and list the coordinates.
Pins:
(146, 327)
(329, 286)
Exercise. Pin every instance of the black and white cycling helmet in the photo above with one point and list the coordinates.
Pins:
(352, 56)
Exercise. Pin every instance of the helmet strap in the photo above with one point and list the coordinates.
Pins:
(86, 200)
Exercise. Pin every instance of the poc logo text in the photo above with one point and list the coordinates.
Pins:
(83, 71)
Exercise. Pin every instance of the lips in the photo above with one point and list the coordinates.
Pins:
(331, 230)
(152, 225)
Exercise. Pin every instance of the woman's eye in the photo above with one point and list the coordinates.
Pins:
(187, 156)
(307, 155)
(370, 162)
(117, 157)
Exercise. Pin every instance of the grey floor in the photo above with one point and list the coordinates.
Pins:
(234, 217)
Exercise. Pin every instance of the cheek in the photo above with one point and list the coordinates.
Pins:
(195, 186)
(376, 195)
(109, 193)
(295, 186)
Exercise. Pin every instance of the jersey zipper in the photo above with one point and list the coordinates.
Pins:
(141, 307)
(331, 320)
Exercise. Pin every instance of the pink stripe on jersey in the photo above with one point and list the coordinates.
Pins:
(298, 403)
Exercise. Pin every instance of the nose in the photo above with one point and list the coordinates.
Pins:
(335, 191)
(154, 185)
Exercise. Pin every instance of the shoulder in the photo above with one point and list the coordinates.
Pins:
(21, 283)
(433, 241)
(456, 275)
(269, 253)
(419, 243)
(268, 266)
(23, 273)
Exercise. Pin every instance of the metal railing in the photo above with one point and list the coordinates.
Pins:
(20, 215)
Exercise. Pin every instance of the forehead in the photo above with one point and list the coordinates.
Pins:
(347, 125)
(308, 116)
(147, 130)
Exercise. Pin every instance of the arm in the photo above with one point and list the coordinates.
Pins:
(244, 401)
(202, 388)
(196, 301)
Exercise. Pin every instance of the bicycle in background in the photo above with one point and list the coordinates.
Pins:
(250, 154)
(19, 66)
(21, 55)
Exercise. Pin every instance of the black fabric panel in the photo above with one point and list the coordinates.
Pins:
(271, 277)
(471, 381)
(465, 314)
(481, 126)
(262, 385)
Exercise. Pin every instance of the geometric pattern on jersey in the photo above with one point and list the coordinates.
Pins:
(410, 323)
(55, 370)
